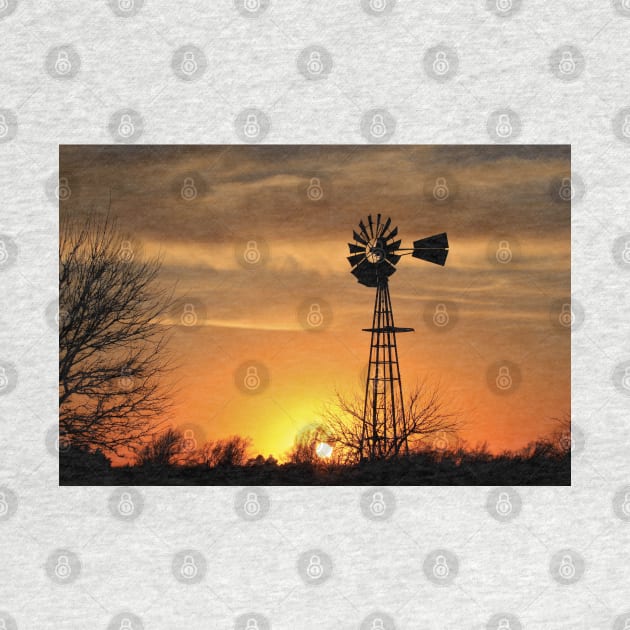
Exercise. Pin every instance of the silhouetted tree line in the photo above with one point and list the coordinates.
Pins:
(167, 461)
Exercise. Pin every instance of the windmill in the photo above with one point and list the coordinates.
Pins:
(373, 258)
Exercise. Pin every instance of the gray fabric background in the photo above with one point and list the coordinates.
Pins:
(123, 571)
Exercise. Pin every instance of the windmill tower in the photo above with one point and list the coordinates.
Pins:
(373, 257)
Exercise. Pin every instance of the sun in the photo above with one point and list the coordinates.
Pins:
(324, 450)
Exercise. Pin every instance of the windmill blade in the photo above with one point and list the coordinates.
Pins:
(364, 231)
(437, 241)
(366, 274)
(386, 270)
(356, 259)
(433, 249)
(386, 226)
(436, 256)
(392, 234)
(372, 259)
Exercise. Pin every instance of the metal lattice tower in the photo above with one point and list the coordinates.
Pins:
(373, 257)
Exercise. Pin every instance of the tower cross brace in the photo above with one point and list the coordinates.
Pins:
(384, 431)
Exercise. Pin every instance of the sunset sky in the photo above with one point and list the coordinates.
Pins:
(199, 206)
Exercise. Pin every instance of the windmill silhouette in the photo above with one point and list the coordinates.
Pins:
(373, 257)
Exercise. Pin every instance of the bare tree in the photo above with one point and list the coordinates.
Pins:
(163, 450)
(111, 342)
(561, 437)
(231, 451)
(426, 417)
(304, 448)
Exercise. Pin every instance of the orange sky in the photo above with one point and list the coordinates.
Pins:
(255, 314)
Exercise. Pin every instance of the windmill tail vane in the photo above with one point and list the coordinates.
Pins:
(374, 255)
